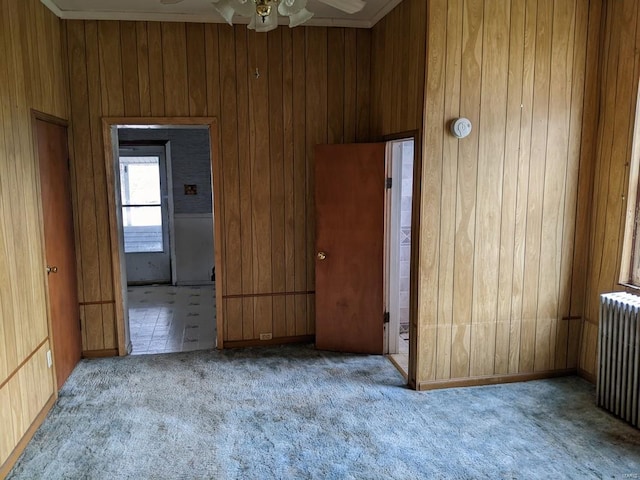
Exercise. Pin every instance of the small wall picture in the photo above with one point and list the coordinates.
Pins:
(190, 189)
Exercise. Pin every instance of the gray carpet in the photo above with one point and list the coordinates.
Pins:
(293, 412)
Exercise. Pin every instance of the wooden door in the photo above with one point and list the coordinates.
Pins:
(350, 195)
(59, 247)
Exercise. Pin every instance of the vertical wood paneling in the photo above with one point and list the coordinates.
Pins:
(156, 69)
(142, 56)
(522, 195)
(259, 114)
(510, 185)
(472, 49)
(299, 176)
(499, 208)
(175, 73)
(489, 186)
(618, 90)
(32, 77)
(398, 66)
(431, 193)
(246, 180)
(335, 85)
(196, 69)
(309, 86)
(288, 179)
(448, 200)
(131, 81)
(316, 134)
(277, 190)
(554, 185)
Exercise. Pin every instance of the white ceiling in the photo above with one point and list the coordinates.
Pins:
(203, 11)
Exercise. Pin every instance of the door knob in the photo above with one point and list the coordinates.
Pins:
(51, 269)
(322, 255)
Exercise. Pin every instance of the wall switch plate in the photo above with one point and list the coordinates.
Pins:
(266, 336)
(49, 360)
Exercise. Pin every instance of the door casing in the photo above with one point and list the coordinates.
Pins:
(110, 127)
(166, 207)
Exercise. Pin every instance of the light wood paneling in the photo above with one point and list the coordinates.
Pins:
(398, 64)
(272, 95)
(612, 140)
(31, 77)
(499, 209)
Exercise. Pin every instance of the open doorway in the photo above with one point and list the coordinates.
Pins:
(162, 197)
(400, 172)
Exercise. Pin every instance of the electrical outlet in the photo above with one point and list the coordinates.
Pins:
(266, 336)
(49, 360)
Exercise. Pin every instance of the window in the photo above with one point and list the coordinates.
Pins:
(630, 267)
(141, 204)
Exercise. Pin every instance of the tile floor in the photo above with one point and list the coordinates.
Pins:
(166, 319)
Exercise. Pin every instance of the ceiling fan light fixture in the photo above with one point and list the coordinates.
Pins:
(297, 19)
(263, 11)
(287, 8)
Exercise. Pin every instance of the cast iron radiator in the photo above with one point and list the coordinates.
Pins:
(619, 355)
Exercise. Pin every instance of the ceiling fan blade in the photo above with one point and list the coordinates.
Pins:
(347, 6)
(170, 2)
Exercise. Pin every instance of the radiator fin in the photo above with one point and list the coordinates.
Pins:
(619, 355)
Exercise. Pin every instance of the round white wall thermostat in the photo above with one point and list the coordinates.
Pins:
(461, 127)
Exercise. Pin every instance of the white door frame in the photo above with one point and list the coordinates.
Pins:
(164, 152)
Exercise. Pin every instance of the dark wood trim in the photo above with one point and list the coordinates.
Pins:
(38, 115)
(495, 379)
(272, 294)
(6, 467)
(273, 341)
(589, 377)
(23, 363)
(110, 352)
(98, 302)
(167, 122)
(415, 134)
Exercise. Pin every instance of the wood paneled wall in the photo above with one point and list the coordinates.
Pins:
(31, 76)
(502, 254)
(276, 96)
(620, 71)
(398, 66)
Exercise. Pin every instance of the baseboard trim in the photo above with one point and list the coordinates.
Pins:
(273, 341)
(494, 379)
(109, 352)
(6, 467)
(589, 377)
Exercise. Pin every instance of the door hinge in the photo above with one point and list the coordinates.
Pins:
(386, 317)
(389, 182)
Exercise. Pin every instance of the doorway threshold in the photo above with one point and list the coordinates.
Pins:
(401, 362)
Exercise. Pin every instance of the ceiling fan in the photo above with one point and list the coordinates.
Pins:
(262, 13)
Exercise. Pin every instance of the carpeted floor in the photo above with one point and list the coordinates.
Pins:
(293, 412)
